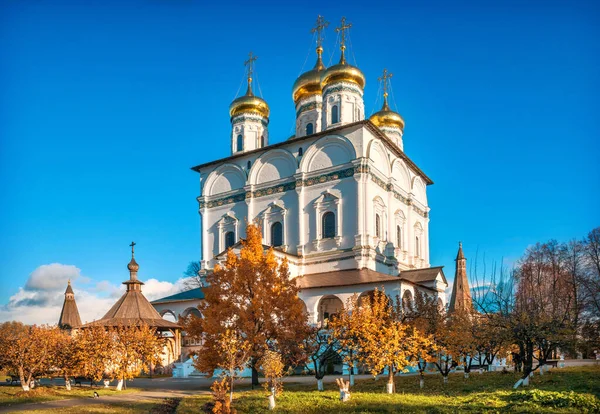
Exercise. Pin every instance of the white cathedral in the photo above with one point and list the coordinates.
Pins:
(340, 199)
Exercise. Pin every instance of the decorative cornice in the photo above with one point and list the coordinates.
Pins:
(250, 117)
(308, 107)
(341, 87)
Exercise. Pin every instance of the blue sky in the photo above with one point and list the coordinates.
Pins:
(104, 107)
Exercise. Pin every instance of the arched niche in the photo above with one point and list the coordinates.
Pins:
(191, 311)
(378, 155)
(225, 178)
(419, 191)
(272, 166)
(401, 175)
(169, 315)
(327, 152)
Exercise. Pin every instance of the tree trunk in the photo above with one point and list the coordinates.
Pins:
(24, 384)
(120, 385)
(390, 383)
(253, 363)
(320, 384)
(272, 400)
(67, 383)
(466, 375)
(446, 379)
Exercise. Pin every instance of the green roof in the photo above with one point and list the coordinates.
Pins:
(186, 295)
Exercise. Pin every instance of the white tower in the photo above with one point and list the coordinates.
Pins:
(342, 88)
(306, 91)
(249, 118)
(388, 121)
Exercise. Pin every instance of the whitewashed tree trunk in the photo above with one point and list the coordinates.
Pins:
(25, 387)
(390, 388)
(518, 384)
(67, 383)
(445, 379)
(541, 369)
(32, 384)
(526, 382)
(422, 383)
(351, 380)
(466, 375)
(106, 383)
(120, 385)
(272, 401)
(320, 384)
(531, 374)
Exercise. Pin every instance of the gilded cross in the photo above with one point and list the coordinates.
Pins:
(385, 78)
(343, 29)
(318, 29)
(250, 63)
(132, 245)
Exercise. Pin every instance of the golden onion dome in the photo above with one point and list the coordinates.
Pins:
(309, 83)
(386, 117)
(249, 104)
(343, 72)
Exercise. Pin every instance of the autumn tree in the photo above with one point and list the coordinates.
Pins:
(27, 350)
(322, 349)
(460, 340)
(253, 295)
(271, 364)
(68, 356)
(382, 341)
(97, 348)
(134, 348)
(235, 351)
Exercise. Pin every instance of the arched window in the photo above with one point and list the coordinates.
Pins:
(398, 237)
(417, 247)
(239, 143)
(335, 116)
(229, 239)
(377, 226)
(328, 225)
(276, 234)
(262, 141)
(300, 152)
(309, 128)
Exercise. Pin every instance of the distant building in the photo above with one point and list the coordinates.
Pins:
(69, 315)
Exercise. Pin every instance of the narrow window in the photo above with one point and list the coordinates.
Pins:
(229, 239)
(249, 164)
(417, 247)
(377, 226)
(300, 152)
(240, 143)
(398, 237)
(276, 234)
(328, 225)
(309, 128)
(335, 116)
(262, 141)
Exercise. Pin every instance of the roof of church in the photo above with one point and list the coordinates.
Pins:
(133, 308)
(423, 275)
(364, 276)
(238, 245)
(366, 123)
(69, 315)
(192, 294)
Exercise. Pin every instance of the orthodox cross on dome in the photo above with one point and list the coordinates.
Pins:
(320, 25)
(385, 79)
(132, 245)
(342, 30)
(250, 69)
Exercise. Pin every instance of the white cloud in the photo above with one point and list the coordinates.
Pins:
(40, 300)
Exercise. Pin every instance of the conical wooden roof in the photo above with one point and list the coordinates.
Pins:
(133, 308)
(460, 300)
(69, 316)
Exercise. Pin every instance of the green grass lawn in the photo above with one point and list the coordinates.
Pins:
(14, 394)
(569, 390)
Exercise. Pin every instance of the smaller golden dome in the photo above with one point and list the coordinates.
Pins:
(249, 104)
(343, 72)
(386, 117)
(309, 83)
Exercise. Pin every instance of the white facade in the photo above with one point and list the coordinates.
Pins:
(376, 194)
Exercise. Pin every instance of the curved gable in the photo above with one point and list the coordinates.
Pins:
(226, 178)
(273, 165)
(327, 152)
(378, 155)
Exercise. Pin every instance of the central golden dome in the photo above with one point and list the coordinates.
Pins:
(343, 72)
(386, 117)
(249, 104)
(309, 83)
